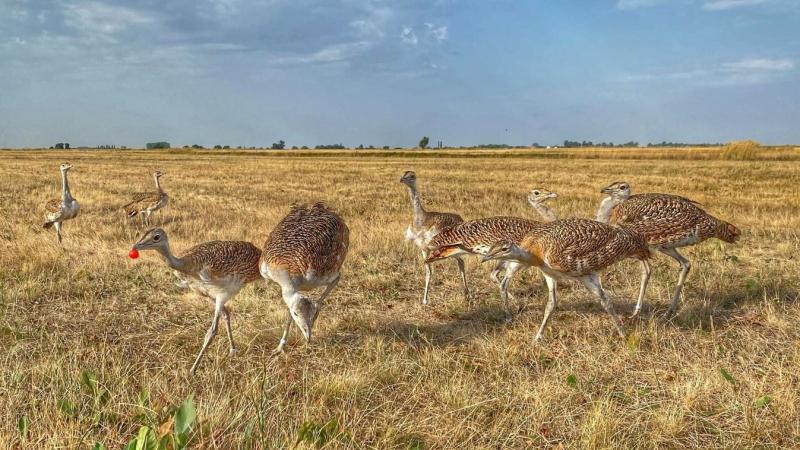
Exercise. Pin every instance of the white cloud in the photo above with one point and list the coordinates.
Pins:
(743, 72)
(437, 33)
(92, 17)
(636, 4)
(408, 36)
(721, 5)
(329, 54)
(760, 65)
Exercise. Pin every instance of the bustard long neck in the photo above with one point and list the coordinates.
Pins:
(545, 211)
(158, 184)
(606, 206)
(416, 204)
(65, 194)
(179, 264)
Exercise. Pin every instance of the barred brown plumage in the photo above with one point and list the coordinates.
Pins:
(424, 226)
(667, 222)
(305, 250)
(147, 202)
(477, 237)
(216, 270)
(64, 208)
(576, 249)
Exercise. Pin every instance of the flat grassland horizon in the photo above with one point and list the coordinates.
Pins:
(388, 372)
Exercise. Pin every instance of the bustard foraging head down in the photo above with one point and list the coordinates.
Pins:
(304, 251)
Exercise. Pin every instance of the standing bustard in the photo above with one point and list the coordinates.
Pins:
(61, 209)
(147, 202)
(575, 249)
(667, 222)
(426, 225)
(216, 270)
(305, 251)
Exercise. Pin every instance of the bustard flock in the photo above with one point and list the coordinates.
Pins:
(306, 249)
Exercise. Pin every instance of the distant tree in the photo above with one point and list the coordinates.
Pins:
(197, 146)
(386, 147)
(226, 146)
(305, 147)
(160, 144)
(60, 146)
(371, 147)
(330, 147)
(424, 142)
(66, 145)
(217, 147)
(360, 147)
(280, 145)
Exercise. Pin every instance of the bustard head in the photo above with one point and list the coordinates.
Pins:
(304, 313)
(65, 167)
(153, 238)
(445, 251)
(158, 174)
(540, 195)
(409, 178)
(618, 190)
(505, 250)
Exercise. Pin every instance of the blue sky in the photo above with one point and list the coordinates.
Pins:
(374, 72)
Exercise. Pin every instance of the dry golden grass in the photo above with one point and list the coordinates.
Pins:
(392, 373)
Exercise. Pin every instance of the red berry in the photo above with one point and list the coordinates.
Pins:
(134, 253)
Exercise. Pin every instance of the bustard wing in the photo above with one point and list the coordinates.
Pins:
(218, 260)
(579, 246)
(140, 201)
(662, 218)
(53, 206)
(308, 238)
(441, 221)
(478, 236)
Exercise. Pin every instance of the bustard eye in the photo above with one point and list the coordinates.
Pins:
(156, 238)
(535, 192)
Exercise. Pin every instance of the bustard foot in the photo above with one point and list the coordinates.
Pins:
(280, 348)
(232, 351)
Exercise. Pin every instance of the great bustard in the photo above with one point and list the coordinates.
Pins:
(426, 225)
(537, 199)
(575, 249)
(60, 209)
(476, 237)
(216, 270)
(305, 251)
(667, 222)
(147, 202)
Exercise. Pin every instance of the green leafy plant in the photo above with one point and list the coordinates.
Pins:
(22, 426)
(172, 434)
(763, 401)
(727, 375)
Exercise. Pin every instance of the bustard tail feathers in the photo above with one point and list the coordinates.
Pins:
(47, 225)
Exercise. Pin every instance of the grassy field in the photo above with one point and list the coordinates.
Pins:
(383, 371)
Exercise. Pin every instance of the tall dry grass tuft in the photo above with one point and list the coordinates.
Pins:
(741, 150)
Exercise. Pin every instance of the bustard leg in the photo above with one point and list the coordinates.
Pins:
(592, 282)
(552, 302)
(219, 305)
(57, 225)
(228, 329)
(428, 271)
(685, 267)
(495, 275)
(285, 338)
(511, 269)
(463, 271)
(642, 288)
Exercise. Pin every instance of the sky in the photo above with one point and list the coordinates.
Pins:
(375, 72)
